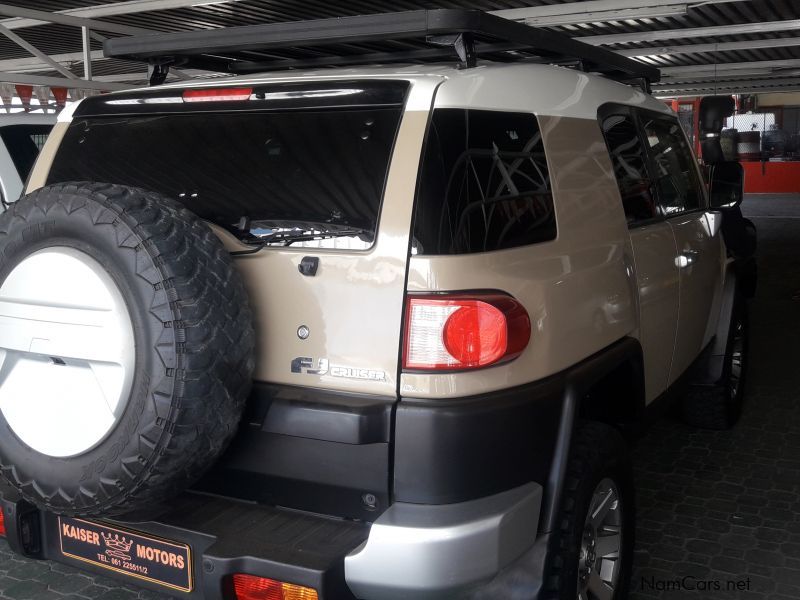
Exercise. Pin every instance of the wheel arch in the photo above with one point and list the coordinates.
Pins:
(618, 364)
(709, 369)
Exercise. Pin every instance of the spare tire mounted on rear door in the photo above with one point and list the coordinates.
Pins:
(126, 348)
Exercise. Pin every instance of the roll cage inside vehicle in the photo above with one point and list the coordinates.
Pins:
(365, 331)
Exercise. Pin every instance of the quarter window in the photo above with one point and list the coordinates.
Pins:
(630, 168)
(484, 184)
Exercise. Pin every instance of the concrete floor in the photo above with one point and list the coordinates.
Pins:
(719, 512)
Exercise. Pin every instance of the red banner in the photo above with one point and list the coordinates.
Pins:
(60, 94)
(25, 93)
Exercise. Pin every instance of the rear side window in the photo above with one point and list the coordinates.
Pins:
(630, 167)
(484, 184)
(23, 143)
(291, 175)
(675, 174)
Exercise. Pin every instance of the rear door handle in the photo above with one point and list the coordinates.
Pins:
(686, 258)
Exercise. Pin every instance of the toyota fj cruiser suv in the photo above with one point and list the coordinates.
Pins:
(375, 332)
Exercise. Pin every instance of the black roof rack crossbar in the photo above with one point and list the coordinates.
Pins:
(412, 36)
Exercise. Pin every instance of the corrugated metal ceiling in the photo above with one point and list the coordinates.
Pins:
(58, 39)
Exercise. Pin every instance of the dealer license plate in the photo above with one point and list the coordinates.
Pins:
(144, 557)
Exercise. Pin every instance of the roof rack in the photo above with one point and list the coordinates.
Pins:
(408, 37)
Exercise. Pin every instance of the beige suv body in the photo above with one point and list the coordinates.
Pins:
(508, 265)
(596, 283)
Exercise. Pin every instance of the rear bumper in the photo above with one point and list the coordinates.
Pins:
(226, 537)
(419, 551)
(411, 551)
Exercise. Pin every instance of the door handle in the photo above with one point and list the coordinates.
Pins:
(686, 258)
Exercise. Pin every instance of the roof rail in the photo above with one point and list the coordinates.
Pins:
(407, 37)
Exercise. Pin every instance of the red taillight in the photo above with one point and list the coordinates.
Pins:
(463, 332)
(476, 334)
(2, 523)
(250, 587)
(217, 95)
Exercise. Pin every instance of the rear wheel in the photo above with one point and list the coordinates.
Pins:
(595, 537)
(126, 350)
(719, 406)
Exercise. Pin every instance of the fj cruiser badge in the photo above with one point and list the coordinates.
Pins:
(305, 364)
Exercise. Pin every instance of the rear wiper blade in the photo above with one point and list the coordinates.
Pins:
(290, 237)
(303, 236)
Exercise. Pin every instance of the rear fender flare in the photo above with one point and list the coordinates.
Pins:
(710, 370)
(578, 382)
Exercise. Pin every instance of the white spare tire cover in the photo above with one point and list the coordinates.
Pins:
(126, 348)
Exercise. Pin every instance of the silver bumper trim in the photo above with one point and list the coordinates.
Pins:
(417, 551)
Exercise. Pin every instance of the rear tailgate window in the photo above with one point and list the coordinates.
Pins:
(306, 160)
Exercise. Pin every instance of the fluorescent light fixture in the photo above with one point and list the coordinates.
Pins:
(211, 2)
(692, 32)
(609, 15)
(598, 11)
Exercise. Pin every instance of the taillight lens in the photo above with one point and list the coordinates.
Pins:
(217, 95)
(2, 523)
(463, 332)
(250, 587)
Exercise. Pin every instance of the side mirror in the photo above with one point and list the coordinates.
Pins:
(713, 112)
(727, 185)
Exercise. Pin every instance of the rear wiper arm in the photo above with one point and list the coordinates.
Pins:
(296, 236)
(289, 237)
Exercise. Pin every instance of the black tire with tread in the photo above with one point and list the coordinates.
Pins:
(194, 347)
(597, 451)
(711, 406)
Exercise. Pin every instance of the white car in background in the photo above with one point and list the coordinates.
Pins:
(21, 138)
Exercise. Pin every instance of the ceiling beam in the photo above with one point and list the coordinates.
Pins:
(670, 10)
(722, 75)
(718, 47)
(141, 76)
(87, 52)
(666, 10)
(31, 64)
(572, 8)
(595, 11)
(692, 32)
(62, 82)
(710, 69)
(113, 9)
(37, 53)
(748, 83)
(694, 93)
(62, 19)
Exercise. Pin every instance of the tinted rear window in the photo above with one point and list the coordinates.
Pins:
(257, 172)
(23, 143)
(484, 184)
